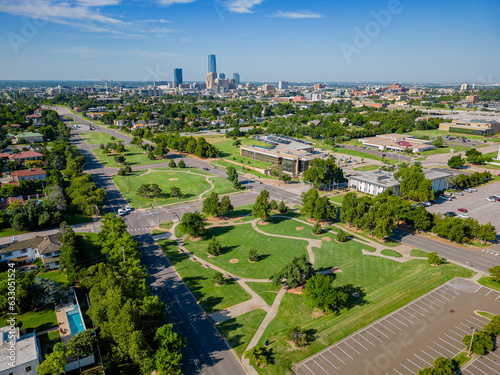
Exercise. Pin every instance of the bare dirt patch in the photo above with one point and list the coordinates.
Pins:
(317, 313)
(299, 228)
(234, 260)
(262, 222)
(326, 239)
(297, 290)
(173, 179)
(194, 239)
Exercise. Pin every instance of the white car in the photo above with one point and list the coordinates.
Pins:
(445, 198)
(121, 212)
(491, 199)
(427, 204)
(127, 208)
(463, 216)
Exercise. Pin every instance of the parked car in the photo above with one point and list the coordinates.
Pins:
(473, 189)
(450, 214)
(426, 204)
(491, 199)
(462, 210)
(459, 193)
(127, 208)
(121, 212)
(205, 169)
(463, 216)
(468, 190)
(445, 198)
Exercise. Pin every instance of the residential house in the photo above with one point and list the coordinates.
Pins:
(27, 354)
(24, 156)
(29, 137)
(35, 118)
(4, 203)
(47, 248)
(33, 174)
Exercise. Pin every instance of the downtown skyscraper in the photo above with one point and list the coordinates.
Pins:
(212, 66)
(177, 77)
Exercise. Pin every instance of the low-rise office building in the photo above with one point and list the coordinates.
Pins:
(397, 142)
(480, 127)
(376, 182)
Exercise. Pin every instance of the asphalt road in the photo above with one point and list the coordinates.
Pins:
(475, 259)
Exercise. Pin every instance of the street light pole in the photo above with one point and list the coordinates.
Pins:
(471, 341)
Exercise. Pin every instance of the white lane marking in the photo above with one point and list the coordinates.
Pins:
(336, 356)
(317, 364)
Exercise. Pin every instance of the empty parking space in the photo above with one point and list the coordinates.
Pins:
(475, 203)
(488, 364)
(411, 337)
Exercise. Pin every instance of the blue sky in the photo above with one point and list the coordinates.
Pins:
(263, 40)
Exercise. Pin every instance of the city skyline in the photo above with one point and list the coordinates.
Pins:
(263, 41)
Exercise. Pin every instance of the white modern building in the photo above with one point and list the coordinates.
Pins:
(397, 142)
(376, 182)
(27, 355)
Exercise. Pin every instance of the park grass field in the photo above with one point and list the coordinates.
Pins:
(240, 330)
(191, 185)
(236, 243)
(287, 227)
(96, 138)
(268, 291)
(391, 253)
(418, 253)
(370, 167)
(198, 279)
(221, 186)
(385, 284)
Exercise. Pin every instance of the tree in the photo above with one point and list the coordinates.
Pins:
(295, 273)
(441, 366)
(120, 148)
(438, 142)
(319, 292)
(322, 172)
(308, 202)
(285, 178)
(433, 258)
(282, 208)
(317, 228)
(456, 162)
(181, 164)
(54, 363)
(168, 357)
(33, 164)
(219, 278)
(253, 256)
(487, 232)
(214, 247)
(348, 212)
(120, 159)
(211, 205)
(482, 343)
(149, 190)
(261, 208)
(476, 157)
(298, 336)
(323, 210)
(225, 206)
(160, 150)
(193, 224)
(273, 205)
(414, 185)
(175, 192)
(172, 164)
(495, 273)
(232, 175)
(258, 356)
(342, 236)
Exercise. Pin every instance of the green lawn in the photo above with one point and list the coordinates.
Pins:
(226, 148)
(191, 185)
(78, 218)
(444, 150)
(486, 314)
(8, 232)
(47, 342)
(240, 330)
(288, 227)
(486, 281)
(41, 320)
(198, 279)
(167, 225)
(60, 277)
(367, 167)
(384, 285)
(221, 186)
(236, 243)
(461, 359)
(418, 253)
(96, 138)
(90, 249)
(224, 164)
(268, 291)
(391, 253)
(389, 242)
(240, 211)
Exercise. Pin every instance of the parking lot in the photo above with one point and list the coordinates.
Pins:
(411, 337)
(475, 203)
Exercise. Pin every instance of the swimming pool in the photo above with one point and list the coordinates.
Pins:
(75, 321)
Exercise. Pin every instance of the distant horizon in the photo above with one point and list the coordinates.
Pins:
(263, 41)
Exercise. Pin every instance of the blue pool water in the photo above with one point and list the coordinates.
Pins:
(75, 321)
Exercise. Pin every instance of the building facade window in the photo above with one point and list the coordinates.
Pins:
(27, 369)
(289, 165)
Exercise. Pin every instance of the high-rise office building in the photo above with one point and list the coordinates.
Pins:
(222, 76)
(177, 77)
(236, 76)
(212, 66)
(211, 77)
(283, 85)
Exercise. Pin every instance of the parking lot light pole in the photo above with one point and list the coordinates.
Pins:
(471, 341)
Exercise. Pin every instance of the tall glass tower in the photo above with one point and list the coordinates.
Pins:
(212, 67)
(177, 77)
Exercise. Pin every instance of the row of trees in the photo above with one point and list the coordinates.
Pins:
(196, 146)
(462, 230)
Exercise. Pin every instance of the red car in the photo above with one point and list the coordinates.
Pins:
(462, 210)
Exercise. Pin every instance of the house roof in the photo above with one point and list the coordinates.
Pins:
(25, 154)
(44, 244)
(29, 134)
(405, 144)
(6, 203)
(28, 172)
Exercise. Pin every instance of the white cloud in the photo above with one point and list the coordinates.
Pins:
(297, 14)
(241, 6)
(98, 3)
(172, 2)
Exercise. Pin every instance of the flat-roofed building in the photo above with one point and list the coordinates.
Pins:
(292, 157)
(481, 127)
(27, 352)
(397, 142)
(376, 182)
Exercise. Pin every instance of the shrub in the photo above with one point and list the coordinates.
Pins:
(253, 256)
(151, 156)
(214, 247)
(282, 208)
(121, 172)
(274, 205)
(297, 335)
(172, 164)
(317, 229)
(258, 356)
(342, 236)
(181, 164)
(219, 278)
(433, 258)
